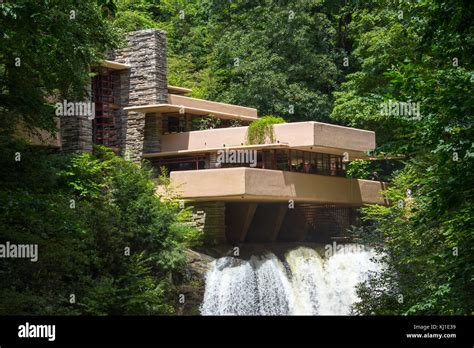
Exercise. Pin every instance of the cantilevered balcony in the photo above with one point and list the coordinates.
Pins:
(261, 185)
(308, 136)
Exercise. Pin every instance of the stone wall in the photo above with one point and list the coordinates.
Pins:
(153, 133)
(209, 217)
(76, 133)
(145, 83)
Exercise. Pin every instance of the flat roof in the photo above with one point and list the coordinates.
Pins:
(169, 108)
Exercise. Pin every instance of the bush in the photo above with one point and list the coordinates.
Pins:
(261, 130)
(85, 212)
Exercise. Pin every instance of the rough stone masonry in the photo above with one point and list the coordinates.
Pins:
(144, 83)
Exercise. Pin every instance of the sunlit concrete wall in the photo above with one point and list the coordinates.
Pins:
(250, 184)
(298, 134)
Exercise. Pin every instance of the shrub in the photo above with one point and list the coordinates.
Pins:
(261, 130)
(85, 211)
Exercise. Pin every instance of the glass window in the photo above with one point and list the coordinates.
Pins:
(282, 159)
(269, 159)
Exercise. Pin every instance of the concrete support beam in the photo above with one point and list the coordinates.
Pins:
(280, 217)
(238, 219)
(294, 227)
(266, 222)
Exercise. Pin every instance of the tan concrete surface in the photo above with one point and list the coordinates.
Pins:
(211, 105)
(251, 184)
(310, 136)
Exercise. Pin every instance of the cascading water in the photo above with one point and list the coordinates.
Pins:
(309, 285)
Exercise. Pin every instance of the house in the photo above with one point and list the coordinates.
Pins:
(291, 188)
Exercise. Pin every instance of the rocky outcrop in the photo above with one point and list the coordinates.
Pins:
(191, 291)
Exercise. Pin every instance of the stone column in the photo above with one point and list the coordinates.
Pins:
(145, 83)
(75, 130)
(76, 133)
(153, 132)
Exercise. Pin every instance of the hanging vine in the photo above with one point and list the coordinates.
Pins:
(261, 130)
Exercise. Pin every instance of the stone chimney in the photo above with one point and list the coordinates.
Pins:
(145, 83)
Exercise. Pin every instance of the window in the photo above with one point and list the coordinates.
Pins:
(181, 163)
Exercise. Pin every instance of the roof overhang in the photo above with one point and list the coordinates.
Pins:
(170, 108)
(110, 64)
(178, 90)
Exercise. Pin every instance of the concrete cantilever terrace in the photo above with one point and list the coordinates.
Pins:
(262, 185)
(242, 204)
(308, 136)
(182, 105)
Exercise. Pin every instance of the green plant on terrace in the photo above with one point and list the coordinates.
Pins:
(261, 130)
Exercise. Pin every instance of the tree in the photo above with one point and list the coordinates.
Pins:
(280, 57)
(408, 52)
(47, 49)
(107, 244)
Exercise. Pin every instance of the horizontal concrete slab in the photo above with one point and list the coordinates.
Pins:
(178, 90)
(200, 107)
(260, 185)
(309, 136)
(110, 64)
(216, 107)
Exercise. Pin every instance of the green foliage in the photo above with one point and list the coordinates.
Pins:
(429, 257)
(261, 130)
(250, 53)
(47, 49)
(280, 57)
(264, 57)
(203, 123)
(134, 15)
(82, 247)
(358, 169)
(427, 234)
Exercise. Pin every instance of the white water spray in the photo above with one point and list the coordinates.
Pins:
(310, 285)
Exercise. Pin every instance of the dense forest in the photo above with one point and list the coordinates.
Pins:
(332, 61)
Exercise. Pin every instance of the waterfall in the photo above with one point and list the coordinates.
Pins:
(304, 283)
